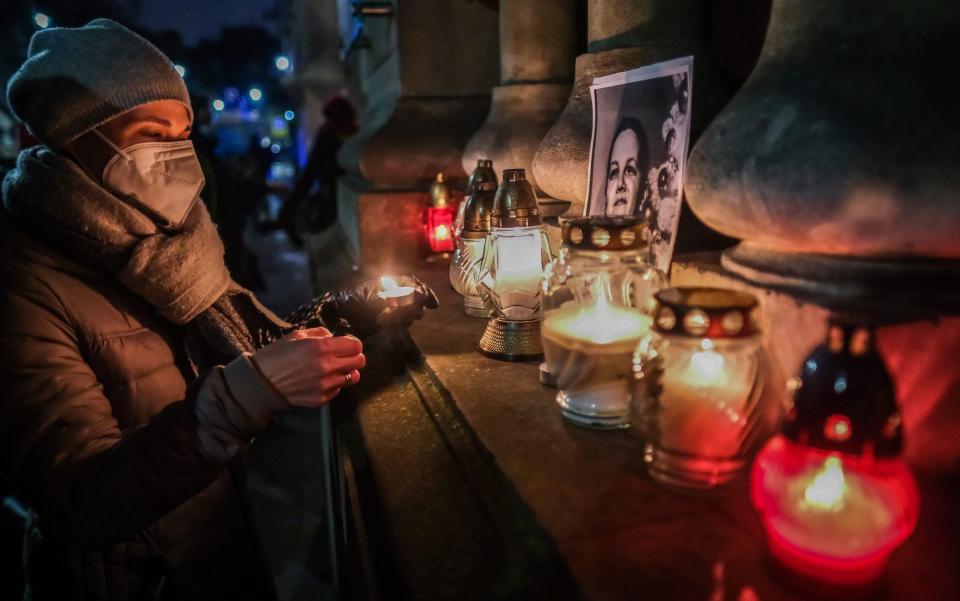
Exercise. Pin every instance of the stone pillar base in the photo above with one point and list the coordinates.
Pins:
(520, 115)
(881, 287)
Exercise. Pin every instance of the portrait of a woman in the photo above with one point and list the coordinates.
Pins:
(626, 168)
(641, 129)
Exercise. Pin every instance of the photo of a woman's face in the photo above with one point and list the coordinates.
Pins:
(623, 175)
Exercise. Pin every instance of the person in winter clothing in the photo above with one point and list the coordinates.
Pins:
(135, 371)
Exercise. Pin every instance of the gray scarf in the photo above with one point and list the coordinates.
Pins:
(182, 274)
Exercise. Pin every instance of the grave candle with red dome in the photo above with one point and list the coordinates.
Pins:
(833, 493)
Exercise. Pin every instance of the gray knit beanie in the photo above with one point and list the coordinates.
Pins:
(75, 79)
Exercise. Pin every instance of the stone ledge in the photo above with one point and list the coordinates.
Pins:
(618, 532)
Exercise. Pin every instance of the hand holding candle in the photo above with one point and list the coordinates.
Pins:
(382, 302)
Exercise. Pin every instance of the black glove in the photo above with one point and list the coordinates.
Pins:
(363, 310)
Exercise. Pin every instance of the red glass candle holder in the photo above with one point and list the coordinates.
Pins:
(438, 229)
(833, 493)
(832, 517)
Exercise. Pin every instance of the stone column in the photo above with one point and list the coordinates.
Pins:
(836, 164)
(423, 77)
(622, 34)
(537, 49)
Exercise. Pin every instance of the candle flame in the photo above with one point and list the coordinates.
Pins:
(707, 365)
(387, 283)
(828, 488)
(442, 232)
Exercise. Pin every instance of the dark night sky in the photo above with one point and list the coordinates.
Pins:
(198, 19)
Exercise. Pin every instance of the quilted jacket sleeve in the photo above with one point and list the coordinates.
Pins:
(63, 451)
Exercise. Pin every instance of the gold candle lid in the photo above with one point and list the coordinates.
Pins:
(476, 215)
(440, 194)
(515, 204)
(482, 173)
(704, 313)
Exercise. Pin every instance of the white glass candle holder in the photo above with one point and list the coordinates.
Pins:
(598, 297)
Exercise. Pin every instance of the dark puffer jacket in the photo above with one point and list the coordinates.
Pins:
(131, 464)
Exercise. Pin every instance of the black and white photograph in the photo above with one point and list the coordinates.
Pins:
(641, 124)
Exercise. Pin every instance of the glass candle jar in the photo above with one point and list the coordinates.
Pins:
(833, 493)
(514, 255)
(466, 262)
(698, 383)
(597, 302)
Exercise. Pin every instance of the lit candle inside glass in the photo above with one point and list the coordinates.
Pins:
(514, 278)
(588, 348)
(705, 400)
(831, 516)
(393, 294)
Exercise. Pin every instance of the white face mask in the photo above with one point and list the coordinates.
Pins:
(163, 179)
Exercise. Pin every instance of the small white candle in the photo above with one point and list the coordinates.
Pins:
(705, 400)
(836, 513)
(589, 350)
(393, 294)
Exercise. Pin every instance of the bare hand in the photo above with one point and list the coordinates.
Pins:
(310, 367)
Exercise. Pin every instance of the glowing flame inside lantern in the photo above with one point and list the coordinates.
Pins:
(829, 487)
(832, 517)
(707, 364)
(438, 228)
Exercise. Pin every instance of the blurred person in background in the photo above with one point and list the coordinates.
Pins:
(243, 190)
(322, 169)
(136, 371)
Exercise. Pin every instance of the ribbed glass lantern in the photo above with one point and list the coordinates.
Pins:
(514, 256)
(466, 262)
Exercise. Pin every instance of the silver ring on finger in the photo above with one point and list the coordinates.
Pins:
(348, 377)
